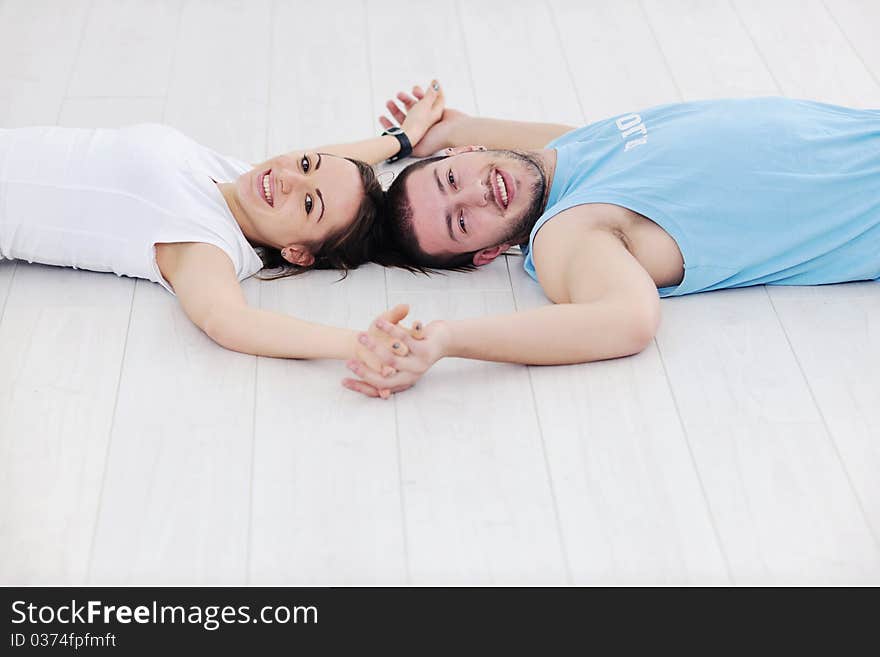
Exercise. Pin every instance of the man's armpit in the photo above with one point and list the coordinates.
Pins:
(568, 235)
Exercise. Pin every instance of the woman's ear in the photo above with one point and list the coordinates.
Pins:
(485, 256)
(297, 254)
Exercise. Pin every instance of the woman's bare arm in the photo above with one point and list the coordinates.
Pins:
(421, 116)
(205, 283)
(371, 151)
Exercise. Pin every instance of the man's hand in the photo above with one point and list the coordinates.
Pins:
(375, 347)
(423, 347)
(437, 136)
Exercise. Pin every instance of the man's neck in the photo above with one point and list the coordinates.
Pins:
(547, 161)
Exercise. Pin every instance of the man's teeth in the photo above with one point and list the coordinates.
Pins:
(267, 189)
(501, 188)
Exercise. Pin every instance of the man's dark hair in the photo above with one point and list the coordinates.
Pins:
(398, 245)
(347, 248)
(395, 242)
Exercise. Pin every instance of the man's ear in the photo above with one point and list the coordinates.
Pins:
(298, 254)
(485, 256)
(462, 149)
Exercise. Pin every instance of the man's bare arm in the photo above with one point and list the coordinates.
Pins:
(456, 129)
(606, 306)
(504, 134)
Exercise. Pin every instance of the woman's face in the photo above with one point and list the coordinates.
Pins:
(294, 202)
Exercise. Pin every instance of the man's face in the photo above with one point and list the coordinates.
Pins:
(474, 200)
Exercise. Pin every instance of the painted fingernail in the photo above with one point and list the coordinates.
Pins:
(362, 338)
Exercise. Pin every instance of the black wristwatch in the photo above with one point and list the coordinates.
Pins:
(405, 145)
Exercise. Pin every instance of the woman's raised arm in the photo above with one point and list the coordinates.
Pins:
(421, 116)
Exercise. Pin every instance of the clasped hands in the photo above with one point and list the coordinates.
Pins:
(390, 358)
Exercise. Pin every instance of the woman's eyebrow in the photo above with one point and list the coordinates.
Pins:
(320, 196)
(318, 166)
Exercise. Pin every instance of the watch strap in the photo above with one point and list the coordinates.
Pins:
(403, 140)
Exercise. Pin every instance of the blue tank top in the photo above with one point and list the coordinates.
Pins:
(753, 191)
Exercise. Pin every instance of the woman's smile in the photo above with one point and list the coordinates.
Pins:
(266, 187)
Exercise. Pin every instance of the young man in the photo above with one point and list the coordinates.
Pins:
(671, 200)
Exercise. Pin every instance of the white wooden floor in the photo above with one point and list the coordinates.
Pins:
(742, 447)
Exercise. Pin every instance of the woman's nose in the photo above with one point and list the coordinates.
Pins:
(290, 179)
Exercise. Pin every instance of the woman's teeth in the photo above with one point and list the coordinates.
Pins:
(502, 188)
(267, 189)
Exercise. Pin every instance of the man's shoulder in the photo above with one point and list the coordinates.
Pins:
(569, 233)
(573, 224)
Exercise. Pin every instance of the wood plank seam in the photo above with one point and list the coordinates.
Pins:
(849, 42)
(563, 546)
(758, 50)
(100, 504)
(828, 433)
(568, 71)
(75, 58)
(709, 512)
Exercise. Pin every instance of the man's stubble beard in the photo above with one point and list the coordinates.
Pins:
(519, 232)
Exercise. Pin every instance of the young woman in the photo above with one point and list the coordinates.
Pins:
(149, 202)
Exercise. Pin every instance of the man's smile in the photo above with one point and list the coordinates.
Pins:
(503, 189)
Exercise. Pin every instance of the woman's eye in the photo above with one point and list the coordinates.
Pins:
(451, 178)
(461, 223)
(309, 203)
(304, 163)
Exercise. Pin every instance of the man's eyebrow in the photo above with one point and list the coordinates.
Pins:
(449, 227)
(318, 166)
(439, 184)
(448, 216)
(320, 196)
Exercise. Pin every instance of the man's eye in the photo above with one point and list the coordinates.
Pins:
(309, 203)
(451, 178)
(304, 163)
(461, 223)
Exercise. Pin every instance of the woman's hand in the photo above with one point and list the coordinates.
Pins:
(376, 349)
(423, 346)
(423, 113)
(437, 135)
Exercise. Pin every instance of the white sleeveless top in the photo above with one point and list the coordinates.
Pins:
(101, 199)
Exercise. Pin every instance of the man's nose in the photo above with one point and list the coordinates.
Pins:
(476, 194)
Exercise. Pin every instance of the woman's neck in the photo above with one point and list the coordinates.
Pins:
(230, 195)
